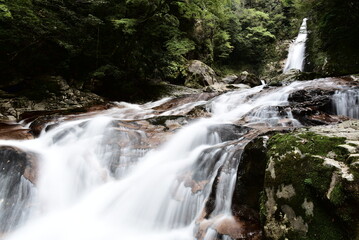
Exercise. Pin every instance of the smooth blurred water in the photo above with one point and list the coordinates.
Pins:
(95, 184)
(346, 102)
(296, 54)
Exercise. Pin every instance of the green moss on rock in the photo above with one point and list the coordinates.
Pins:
(305, 197)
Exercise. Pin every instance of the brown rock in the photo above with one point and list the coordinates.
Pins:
(15, 163)
(14, 131)
(183, 100)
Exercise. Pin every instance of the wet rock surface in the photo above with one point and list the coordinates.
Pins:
(314, 106)
(18, 173)
(18, 163)
(309, 106)
(248, 156)
(186, 99)
(15, 131)
(250, 179)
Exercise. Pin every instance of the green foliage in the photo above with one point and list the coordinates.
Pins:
(142, 39)
(337, 196)
(179, 47)
(332, 44)
(4, 11)
(127, 26)
(222, 45)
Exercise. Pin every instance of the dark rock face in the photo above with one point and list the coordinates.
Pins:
(307, 97)
(40, 123)
(313, 106)
(45, 93)
(250, 179)
(247, 154)
(309, 102)
(291, 76)
(18, 169)
(16, 163)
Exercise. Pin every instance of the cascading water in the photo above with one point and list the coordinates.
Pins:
(346, 102)
(296, 54)
(95, 182)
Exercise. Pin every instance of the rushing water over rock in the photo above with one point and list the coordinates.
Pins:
(345, 102)
(296, 54)
(100, 177)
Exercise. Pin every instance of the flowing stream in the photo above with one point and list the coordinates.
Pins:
(346, 103)
(94, 181)
(296, 54)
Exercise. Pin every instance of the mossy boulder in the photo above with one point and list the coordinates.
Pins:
(199, 75)
(310, 188)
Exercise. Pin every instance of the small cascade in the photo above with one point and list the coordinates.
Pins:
(296, 54)
(346, 103)
(99, 178)
(14, 200)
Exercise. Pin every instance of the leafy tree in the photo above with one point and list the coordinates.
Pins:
(334, 32)
(117, 46)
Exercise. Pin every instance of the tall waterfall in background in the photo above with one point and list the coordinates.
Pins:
(296, 53)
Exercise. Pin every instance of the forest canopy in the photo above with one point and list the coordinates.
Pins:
(125, 43)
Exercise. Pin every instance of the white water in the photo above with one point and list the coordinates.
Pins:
(95, 184)
(346, 103)
(296, 54)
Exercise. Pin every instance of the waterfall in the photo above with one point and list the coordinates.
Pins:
(345, 102)
(96, 181)
(296, 54)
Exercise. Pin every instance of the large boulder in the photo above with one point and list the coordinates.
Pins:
(250, 178)
(229, 79)
(248, 78)
(312, 183)
(317, 105)
(199, 75)
(312, 106)
(16, 163)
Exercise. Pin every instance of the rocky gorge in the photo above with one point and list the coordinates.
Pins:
(179, 120)
(265, 162)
